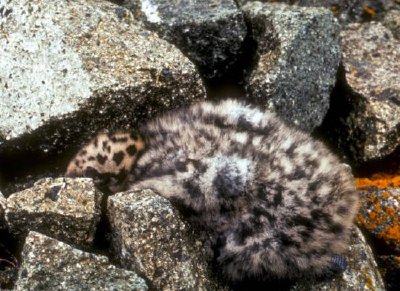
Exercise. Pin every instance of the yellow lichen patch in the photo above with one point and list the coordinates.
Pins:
(379, 214)
(380, 181)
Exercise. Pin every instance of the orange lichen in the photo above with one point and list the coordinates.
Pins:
(380, 181)
(369, 10)
(377, 217)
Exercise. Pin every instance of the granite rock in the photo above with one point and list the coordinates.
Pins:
(150, 237)
(66, 209)
(71, 68)
(379, 212)
(392, 22)
(298, 55)
(49, 264)
(361, 274)
(209, 32)
(370, 130)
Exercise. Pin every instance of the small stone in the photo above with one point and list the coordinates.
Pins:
(151, 238)
(66, 209)
(298, 55)
(48, 264)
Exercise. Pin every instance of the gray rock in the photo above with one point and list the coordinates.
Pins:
(49, 264)
(150, 238)
(371, 59)
(71, 68)
(361, 274)
(392, 22)
(298, 56)
(209, 32)
(66, 209)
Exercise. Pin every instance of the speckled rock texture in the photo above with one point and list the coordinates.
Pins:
(298, 55)
(379, 212)
(392, 22)
(390, 270)
(66, 209)
(346, 11)
(49, 264)
(71, 68)
(361, 273)
(371, 60)
(209, 32)
(150, 237)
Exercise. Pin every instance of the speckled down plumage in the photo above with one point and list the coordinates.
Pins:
(276, 202)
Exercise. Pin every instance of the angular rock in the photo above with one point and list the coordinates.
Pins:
(371, 60)
(298, 56)
(361, 274)
(71, 68)
(49, 264)
(379, 212)
(66, 209)
(346, 11)
(150, 238)
(392, 22)
(209, 32)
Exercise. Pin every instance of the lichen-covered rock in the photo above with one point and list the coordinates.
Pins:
(209, 32)
(48, 264)
(71, 68)
(150, 238)
(298, 56)
(371, 60)
(379, 211)
(361, 274)
(66, 209)
(392, 22)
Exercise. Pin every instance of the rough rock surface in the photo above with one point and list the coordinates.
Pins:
(49, 264)
(390, 269)
(298, 56)
(66, 209)
(150, 238)
(392, 22)
(379, 211)
(345, 10)
(209, 32)
(361, 273)
(71, 68)
(371, 59)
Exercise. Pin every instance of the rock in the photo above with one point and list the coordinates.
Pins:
(150, 237)
(66, 209)
(346, 11)
(392, 22)
(49, 264)
(379, 212)
(71, 68)
(370, 130)
(209, 32)
(298, 56)
(361, 274)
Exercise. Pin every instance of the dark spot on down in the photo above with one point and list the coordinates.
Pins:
(104, 144)
(121, 139)
(278, 199)
(83, 152)
(131, 150)
(193, 189)
(101, 159)
(118, 157)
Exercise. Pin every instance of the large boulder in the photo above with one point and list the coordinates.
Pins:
(298, 55)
